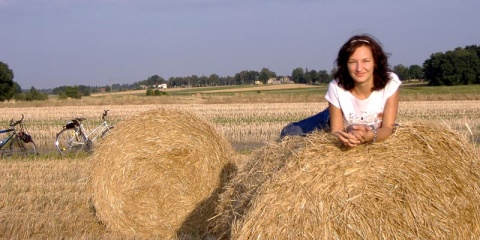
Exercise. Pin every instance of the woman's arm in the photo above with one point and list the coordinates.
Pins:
(336, 118)
(359, 134)
(337, 127)
(364, 134)
(388, 119)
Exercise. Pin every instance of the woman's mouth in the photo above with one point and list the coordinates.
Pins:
(359, 74)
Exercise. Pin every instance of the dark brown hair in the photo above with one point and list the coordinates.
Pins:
(381, 69)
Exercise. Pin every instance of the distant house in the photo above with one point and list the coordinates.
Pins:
(286, 80)
(159, 86)
(273, 81)
(102, 90)
(258, 82)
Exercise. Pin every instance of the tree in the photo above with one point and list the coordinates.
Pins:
(193, 81)
(65, 92)
(84, 90)
(150, 92)
(266, 74)
(430, 67)
(152, 81)
(313, 76)
(323, 76)
(7, 86)
(402, 72)
(202, 81)
(17, 87)
(298, 75)
(34, 94)
(73, 92)
(460, 66)
(246, 77)
(20, 97)
(415, 72)
(214, 80)
(307, 76)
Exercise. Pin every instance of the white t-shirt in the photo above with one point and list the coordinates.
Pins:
(367, 111)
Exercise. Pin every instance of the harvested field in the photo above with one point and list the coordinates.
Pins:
(47, 197)
(243, 125)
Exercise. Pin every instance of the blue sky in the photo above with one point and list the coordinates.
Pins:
(51, 43)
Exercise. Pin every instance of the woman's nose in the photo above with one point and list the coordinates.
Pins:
(358, 67)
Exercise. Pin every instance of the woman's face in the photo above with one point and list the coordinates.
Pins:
(361, 65)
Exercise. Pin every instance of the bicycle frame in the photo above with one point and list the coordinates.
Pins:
(85, 137)
(75, 137)
(6, 140)
(17, 142)
(96, 132)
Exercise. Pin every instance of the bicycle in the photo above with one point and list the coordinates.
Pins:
(18, 142)
(74, 137)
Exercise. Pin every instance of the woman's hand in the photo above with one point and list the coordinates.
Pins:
(348, 139)
(354, 135)
(360, 131)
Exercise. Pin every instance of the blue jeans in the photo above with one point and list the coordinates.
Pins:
(318, 121)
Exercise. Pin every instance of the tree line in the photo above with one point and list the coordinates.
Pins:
(245, 77)
(458, 67)
(455, 67)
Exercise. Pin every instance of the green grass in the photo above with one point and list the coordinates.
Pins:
(313, 90)
(407, 89)
(190, 91)
(412, 91)
(264, 89)
(423, 88)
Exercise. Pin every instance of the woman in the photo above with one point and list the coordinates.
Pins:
(362, 100)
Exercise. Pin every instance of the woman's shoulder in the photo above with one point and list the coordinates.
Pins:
(394, 78)
(333, 81)
(393, 84)
(334, 86)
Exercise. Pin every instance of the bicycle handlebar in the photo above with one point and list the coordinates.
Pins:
(104, 115)
(17, 122)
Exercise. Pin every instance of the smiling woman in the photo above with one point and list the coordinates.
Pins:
(363, 98)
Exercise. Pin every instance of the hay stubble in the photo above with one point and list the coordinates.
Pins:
(46, 198)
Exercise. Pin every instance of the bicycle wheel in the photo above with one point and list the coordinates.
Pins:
(19, 148)
(69, 141)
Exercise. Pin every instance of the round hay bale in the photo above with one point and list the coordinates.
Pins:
(421, 183)
(237, 194)
(158, 175)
